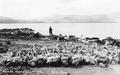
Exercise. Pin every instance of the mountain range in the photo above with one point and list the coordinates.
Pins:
(67, 19)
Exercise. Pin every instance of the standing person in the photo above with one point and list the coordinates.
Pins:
(50, 31)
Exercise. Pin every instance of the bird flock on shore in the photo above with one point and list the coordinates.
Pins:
(68, 54)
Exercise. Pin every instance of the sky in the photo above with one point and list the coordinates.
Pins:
(31, 9)
(100, 30)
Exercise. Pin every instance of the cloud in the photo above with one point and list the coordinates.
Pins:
(30, 9)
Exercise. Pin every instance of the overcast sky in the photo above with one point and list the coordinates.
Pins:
(31, 9)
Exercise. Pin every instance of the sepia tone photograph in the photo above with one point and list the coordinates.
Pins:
(59, 37)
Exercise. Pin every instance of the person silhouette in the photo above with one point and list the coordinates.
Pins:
(50, 31)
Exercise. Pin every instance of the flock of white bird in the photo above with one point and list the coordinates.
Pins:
(68, 54)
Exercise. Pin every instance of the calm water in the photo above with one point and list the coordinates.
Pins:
(86, 29)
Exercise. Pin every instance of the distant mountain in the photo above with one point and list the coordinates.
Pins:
(11, 20)
(67, 19)
(7, 20)
(77, 19)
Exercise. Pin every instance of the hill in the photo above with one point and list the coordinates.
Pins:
(67, 19)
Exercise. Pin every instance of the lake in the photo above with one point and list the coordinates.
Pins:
(100, 30)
